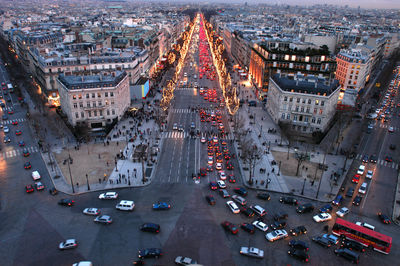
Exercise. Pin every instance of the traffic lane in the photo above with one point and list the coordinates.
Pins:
(164, 167)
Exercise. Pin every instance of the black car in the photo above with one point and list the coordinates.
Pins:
(288, 200)
(53, 191)
(350, 192)
(326, 208)
(263, 196)
(348, 254)
(150, 227)
(299, 254)
(352, 245)
(365, 159)
(298, 244)
(210, 199)
(66, 202)
(357, 200)
(150, 253)
(241, 191)
(298, 230)
(392, 146)
(373, 158)
(304, 208)
(278, 224)
(384, 218)
(280, 216)
(322, 241)
(246, 211)
(248, 227)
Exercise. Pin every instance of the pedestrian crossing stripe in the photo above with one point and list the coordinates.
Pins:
(381, 162)
(8, 122)
(181, 111)
(185, 89)
(19, 152)
(174, 135)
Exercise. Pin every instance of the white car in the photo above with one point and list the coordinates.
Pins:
(322, 217)
(276, 235)
(108, 195)
(68, 244)
(363, 188)
(91, 211)
(35, 175)
(391, 129)
(218, 166)
(175, 126)
(260, 225)
(210, 160)
(252, 252)
(234, 208)
(222, 175)
(342, 212)
(203, 140)
(184, 261)
(361, 169)
(369, 174)
(221, 184)
(6, 129)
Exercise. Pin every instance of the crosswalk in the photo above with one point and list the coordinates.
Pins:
(8, 122)
(6, 109)
(185, 89)
(381, 162)
(17, 152)
(182, 135)
(386, 126)
(182, 111)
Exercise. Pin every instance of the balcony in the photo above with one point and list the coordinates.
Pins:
(101, 107)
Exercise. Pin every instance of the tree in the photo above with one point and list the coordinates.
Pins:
(251, 155)
(300, 157)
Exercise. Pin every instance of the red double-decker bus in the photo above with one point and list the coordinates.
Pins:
(365, 236)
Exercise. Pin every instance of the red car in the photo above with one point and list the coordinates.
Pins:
(10, 112)
(18, 132)
(29, 189)
(229, 166)
(356, 179)
(213, 186)
(203, 171)
(228, 226)
(15, 123)
(232, 179)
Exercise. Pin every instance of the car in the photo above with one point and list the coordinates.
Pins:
(229, 165)
(161, 206)
(323, 241)
(221, 184)
(91, 211)
(66, 202)
(356, 179)
(232, 206)
(352, 245)
(332, 238)
(175, 126)
(103, 219)
(369, 174)
(11, 111)
(150, 253)
(350, 192)
(348, 254)
(241, 191)
(260, 225)
(210, 160)
(218, 166)
(231, 179)
(322, 217)
(211, 200)
(29, 188)
(298, 244)
(392, 146)
(7, 139)
(222, 175)
(299, 254)
(304, 208)
(15, 122)
(6, 129)
(203, 171)
(248, 227)
(365, 159)
(391, 129)
(18, 132)
(260, 211)
(299, 230)
(373, 158)
(224, 193)
(365, 225)
(276, 235)
(26, 153)
(357, 200)
(39, 186)
(68, 244)
(242, 201)
(213, 185)
(288, 200)
(228, 226)
(248, 212)
(203, 140)
(384, 218)
(108, 195)
(342, 212)
(361, 170)
(35, 175)
(252, 252)
(278, 224)
(21, 143)
(184, 261)
(326, 208)
(4, 117)
(280, 215)
(388, 158)
(263, 196)
(192, 125)
(150, 227)
(363, 188)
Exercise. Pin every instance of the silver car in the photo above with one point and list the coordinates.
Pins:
(184, 261)
(91, 211)
(104, 219)
(68, 244)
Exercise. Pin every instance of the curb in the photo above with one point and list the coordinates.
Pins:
(396, 193)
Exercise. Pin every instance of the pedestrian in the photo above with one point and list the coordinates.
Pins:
(99, 180)
(77, 184)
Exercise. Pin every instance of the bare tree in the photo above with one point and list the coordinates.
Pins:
(251, 155)
(300, 157)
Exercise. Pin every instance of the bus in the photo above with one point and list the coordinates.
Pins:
(369, 238)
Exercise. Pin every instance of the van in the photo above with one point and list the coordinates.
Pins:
(35, 175)
(308, 207)
(348, 254)
(125, 205)
(371, 227)
(363, 188)
(258, 210)
(239, 200)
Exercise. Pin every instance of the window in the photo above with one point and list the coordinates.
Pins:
(321, 111)
(285, 99)
(74, 97)
(315, 110)
(106, 94)
(112, 102)
(76, 115)
(106, 102)
(81, 104)
(297, 108)
(99, 102)
(319, 121)
(87, 95)
(309, 101)
(93, 95)
(80, 96)
(82, 114)
(283, 116)
(288, 116)
(113, 112)
(95, 113)
(302, 109)
(316, 102)
(90, 113)
(306, 119)
(88, 104)
(101, 112)
(322, 103)
(290, 99)
(111, 94)
(108, 112)
(304, 100)
(98, 95)
(75, 105)
(298, 100)
(313, 120)
(308, 110)
(94, 104)
(304, 128)
(295, 118)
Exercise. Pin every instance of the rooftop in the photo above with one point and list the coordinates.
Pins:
(102, 80)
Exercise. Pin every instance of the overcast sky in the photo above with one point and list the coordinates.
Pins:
(353, 3)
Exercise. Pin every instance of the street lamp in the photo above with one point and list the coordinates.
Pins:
(87, 181)
(70, 175)
(279, 169)
(304, 184)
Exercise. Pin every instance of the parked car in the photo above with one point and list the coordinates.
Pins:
(342, 212)
(322, 217)
(338, 200)
(161, 206)
(278, 224)
(332, 238)
(263, 196)
(232, 206)
(304, 208)
(348, 254)
(252, 252)
(248, 227)
(210, 199)
(350, 192)
(322, 241)
(260, 225)
(299, 254)
(228, 226)
(184, 261)
(384, 218)
(104, 219)
(280, 216)
(108, 195)
(288, 200)
(326, 208)
(352, 245)
(91, 211)
(276, 235)
(247, 211)
(298, 244)
(298, 230)
(29, 188)
(241, 191)
(357, 200)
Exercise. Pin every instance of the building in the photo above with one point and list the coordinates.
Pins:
(240, 50)
(286, 57)
(94, 100)
(353, 68)
(307, 103)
